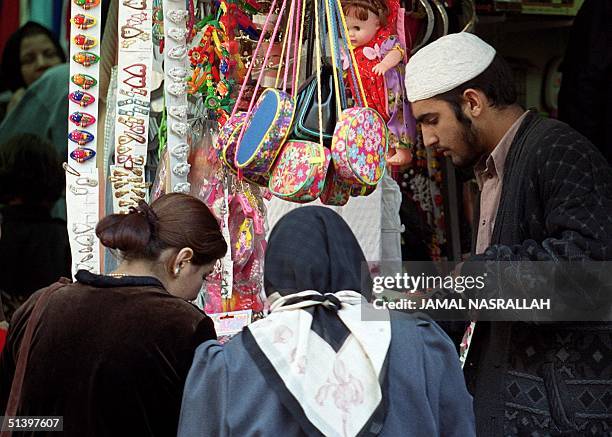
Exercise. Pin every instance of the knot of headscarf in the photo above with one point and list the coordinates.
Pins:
(328, 300)
(308, 298)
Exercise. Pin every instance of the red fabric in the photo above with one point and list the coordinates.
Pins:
(9, 20)
(3, 333)
(373, 84)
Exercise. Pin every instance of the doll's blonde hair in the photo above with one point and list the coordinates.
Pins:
(360, 9)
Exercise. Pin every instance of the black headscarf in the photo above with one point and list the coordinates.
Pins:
(11, 57)
(312, 248)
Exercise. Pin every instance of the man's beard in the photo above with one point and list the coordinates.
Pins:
(473, 148)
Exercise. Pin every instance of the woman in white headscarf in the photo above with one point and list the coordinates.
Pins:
(316, 366)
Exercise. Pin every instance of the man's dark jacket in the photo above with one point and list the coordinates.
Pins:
(547, 378)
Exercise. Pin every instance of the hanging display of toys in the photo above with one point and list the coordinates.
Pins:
(227, 67)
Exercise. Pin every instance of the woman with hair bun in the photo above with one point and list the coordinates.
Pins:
(110, 353)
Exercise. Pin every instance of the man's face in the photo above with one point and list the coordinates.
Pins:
(442, 130)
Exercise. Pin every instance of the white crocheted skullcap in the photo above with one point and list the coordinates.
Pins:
(445, 64)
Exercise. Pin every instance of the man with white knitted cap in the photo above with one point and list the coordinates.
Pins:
(545, 195)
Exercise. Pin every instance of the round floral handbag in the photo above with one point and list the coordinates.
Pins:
(359, 146)
(300, 171)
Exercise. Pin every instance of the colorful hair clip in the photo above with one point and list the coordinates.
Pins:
(87, 4)
(177, 15)
(82, 154)
(81, 137)
(83, 22)
(81, 98)
(82, 119)
(84, 81)
(84, 42)
(86, 59)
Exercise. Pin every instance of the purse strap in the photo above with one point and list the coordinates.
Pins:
(356, 77)
(318, 59)
(254, 56)
(261, 73)
(24, 350)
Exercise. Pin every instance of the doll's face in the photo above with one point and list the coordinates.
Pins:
(361, 32)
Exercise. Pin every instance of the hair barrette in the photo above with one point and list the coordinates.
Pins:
(84, 42)
(177, 73)
(179, 112)
(83, 22)
(177, 15)
(82, 119)
(180, 151)
(84, 81)
(181, 169)
(180, 128)
(87, 4)
(182, 187)
(85, 239)
(90, 182)
(177, 34)
(81, 137)
(82, 154)
(77, 191)
(81, 228)
(87, 257)
(86, 59)
(81, 98)
(178, 52)
(177, 89)
(139, 193)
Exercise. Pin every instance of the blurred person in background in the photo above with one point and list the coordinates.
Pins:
(28, 53)
(34, 249)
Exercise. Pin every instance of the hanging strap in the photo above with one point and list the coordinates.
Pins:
(297, 54)
(319, 66)
(261, 73)
(332, 37)
(353, 62)
(254, 56)
(24, 350)
(284, 49)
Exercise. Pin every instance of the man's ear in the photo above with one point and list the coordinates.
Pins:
(475, 101)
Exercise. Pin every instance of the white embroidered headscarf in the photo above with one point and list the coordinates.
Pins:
(326, 362)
